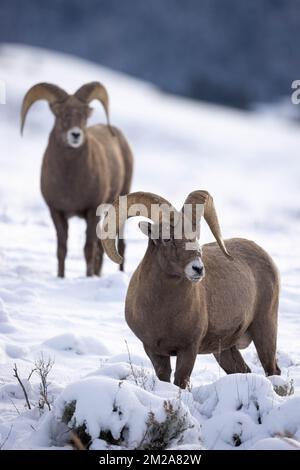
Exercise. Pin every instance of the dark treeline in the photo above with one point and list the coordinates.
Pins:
(227, 51)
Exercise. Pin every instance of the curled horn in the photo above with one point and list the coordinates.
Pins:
(41, 91)
(210, 215)
(140, 198)
(95, 91)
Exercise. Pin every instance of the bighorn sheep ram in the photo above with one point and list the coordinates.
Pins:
(174, 314)
(82, 166)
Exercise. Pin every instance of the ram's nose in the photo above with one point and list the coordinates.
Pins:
(194, 270)
(75, 137)
(198, 269)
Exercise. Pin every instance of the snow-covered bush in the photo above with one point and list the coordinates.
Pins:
(104, 412)
(241, 409)
(161, 433)
(281, 386)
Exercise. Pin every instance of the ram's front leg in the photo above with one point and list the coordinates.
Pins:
(90, 243)
(61, 225)
(184, 366)
(161, 364)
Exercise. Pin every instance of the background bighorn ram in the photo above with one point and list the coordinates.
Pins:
(82, 166)
(174, 314)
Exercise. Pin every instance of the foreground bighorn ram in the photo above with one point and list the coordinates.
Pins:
(174, 314)
(82, 166)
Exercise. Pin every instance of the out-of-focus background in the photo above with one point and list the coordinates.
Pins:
(229, 52)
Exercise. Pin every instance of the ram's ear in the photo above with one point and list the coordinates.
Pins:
(150, 230)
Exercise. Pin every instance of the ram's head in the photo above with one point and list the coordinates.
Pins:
(173, 235)
(71, 111)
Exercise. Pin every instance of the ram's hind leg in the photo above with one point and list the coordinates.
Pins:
(128, 162)
(264, 334)
(91, 241)
(232, 361)
(98, 259)
(263, 329)
(266, 351)
(121, 250)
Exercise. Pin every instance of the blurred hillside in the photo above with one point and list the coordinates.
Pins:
(230, 52)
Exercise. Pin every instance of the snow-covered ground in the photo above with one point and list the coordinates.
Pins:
(249, 162)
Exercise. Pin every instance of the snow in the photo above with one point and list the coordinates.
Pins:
(244, 408)
(275, 443)
(77, 344)
(249, 162)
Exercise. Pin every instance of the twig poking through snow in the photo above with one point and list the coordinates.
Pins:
(30, 375)
(6, 439)
(43, 368)
(15, 369)
(14, 405)
(131, 365)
